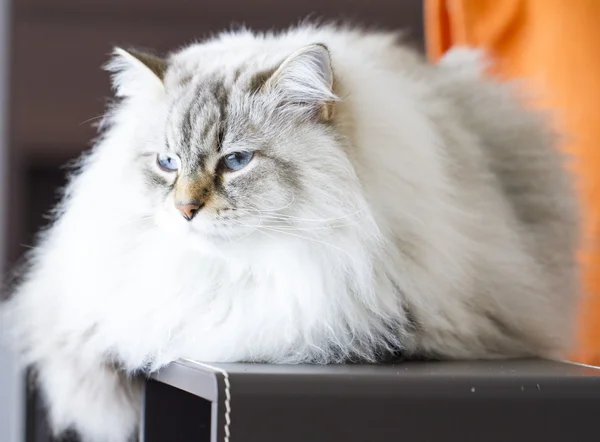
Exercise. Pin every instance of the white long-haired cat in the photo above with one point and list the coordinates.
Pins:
(321, 195)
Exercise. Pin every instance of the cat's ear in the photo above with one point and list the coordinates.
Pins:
(305, 80)
(136, 73)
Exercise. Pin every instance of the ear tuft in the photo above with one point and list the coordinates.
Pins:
(136, 73)
(306, 78)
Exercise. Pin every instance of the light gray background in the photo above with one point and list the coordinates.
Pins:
(12, 390)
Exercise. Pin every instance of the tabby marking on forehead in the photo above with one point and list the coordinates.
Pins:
(203, 117)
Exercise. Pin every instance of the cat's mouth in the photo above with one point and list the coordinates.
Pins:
(207, 225)
(223, 229)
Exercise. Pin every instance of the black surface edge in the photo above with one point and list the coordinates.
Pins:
(206, 381)
(213, 382)
(191, 377)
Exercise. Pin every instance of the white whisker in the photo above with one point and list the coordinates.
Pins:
(98, 117)
(311, 239)
(309, 220)
(288, 227)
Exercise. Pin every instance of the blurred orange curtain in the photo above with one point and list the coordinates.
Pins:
(555, 44)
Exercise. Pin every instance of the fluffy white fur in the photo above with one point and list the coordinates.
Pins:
(434, 218)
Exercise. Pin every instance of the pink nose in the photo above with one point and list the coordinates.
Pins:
(188, 210)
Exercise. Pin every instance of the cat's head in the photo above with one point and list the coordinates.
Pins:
(230, 150)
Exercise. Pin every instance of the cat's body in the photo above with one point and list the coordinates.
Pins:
(408, 207)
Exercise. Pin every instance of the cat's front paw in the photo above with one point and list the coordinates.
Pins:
(99, 405)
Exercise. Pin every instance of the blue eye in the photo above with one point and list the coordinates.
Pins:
(237, 160)
(167, 163)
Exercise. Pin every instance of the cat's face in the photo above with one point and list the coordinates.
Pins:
(245, 151)
(224, 167)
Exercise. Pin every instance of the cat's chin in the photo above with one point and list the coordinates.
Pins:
(218, 241)
(205, 235)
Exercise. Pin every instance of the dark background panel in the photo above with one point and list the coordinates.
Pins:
(59, 47)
